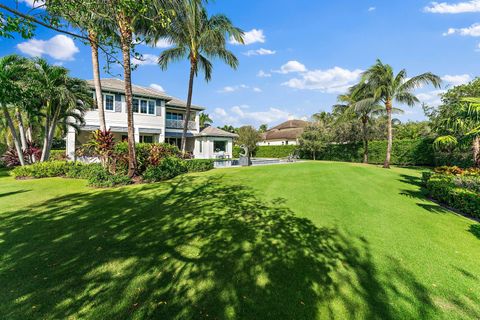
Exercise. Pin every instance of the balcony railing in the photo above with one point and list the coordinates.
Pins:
(178, 124)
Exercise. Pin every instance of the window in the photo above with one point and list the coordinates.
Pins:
(124, 138)
(109, 102)
(219, 146)
(174, 141)
(151, 107)
(146, 139)
(135, 105)
(143, 106)
(201, 146)
(286, 142)
(174, 116)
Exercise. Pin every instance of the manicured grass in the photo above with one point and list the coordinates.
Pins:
(301, 241)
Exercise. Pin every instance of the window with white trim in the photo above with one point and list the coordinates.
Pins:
(143, 106)
(109, 102)
(174, 116)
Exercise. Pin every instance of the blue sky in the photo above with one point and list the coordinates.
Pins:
(301, 54)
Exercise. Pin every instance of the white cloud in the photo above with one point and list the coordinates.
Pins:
(472, 31)
(432, 98)
(457, 80)
(259, 52)
(263, 74)
(146, 59)
(250, 37)
(335, 80)
(157, 87)
(230, 89)
(292, 66)
(163, 43)
(241, 115)
(371, 9)
(33, 3)
(59, 47)
(461, 7)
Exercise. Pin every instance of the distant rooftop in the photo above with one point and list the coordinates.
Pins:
(289, 130)
(215, 132)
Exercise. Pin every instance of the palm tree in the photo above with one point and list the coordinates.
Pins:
(389, 88)
(198, 38)
(12, 69)
(205, 120)
(64, 100)
(360, 104)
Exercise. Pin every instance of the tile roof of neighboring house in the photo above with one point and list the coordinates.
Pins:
(117, 85)
(288, 130)
(215, 132)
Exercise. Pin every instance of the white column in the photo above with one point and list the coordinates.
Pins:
(70, 142)
(137, 135)
(197, 121)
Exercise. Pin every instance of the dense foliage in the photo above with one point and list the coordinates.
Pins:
(455, 187)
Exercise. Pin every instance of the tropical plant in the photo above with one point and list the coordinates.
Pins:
(361, 104)
(205, 120)
(248, 137)
(313, 139)
(12, 71)
(457, 120)
(389, 87)
(64, 100)
(198, 38)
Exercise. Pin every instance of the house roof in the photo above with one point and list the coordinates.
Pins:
(117, 85)
(288, 130)
(215, 132)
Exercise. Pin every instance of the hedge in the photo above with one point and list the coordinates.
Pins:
(268, 151)
(444, 189)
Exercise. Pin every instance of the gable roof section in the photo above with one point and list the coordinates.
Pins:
(288, 130)
(118, 86)
(215, 132)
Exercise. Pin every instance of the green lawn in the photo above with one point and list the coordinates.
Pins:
(301, 241)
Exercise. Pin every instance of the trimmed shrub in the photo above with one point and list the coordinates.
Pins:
(43, 169)
(268, 151)
(444, 189)
(57, 155)
(167, 169)
(104, 179)
(199, 165)
(84, 171)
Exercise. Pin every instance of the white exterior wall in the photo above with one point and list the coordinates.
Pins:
(206, 150)
(119, 119)
(278, 142)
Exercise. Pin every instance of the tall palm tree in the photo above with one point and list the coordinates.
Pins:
(12, 70)
(389, 88)
(92, 23)
(198, 38)
(62, 98)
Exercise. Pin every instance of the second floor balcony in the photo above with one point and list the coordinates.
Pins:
(178, 124)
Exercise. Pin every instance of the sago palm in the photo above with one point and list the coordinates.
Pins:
(389, 87)
(198, 38)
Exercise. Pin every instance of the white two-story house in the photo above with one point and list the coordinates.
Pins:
(158, 117)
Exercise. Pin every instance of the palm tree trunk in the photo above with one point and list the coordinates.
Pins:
(45, 140)
(16, 141)
(21, 129)
(189, 104)
(388, 106)
(126, 41)
(365, 140)
(314, 157)
(92, 36)
(476, 151)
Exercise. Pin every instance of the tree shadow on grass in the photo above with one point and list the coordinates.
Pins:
(6, 194)
(192, 248)
(475, 230)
